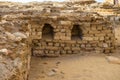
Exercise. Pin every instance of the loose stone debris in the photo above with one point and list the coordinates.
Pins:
(113, 59)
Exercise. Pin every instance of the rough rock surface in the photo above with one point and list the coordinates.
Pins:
(21, 29)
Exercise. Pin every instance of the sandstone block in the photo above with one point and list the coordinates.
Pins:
(67, 48)
(65, 22)
(75, 48)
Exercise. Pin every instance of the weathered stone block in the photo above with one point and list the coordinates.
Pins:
(50, 44)
(75, 48)
(57, 44)
(65, 22)
(88, 38)
(67, 48)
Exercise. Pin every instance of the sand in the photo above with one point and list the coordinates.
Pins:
(74, 67)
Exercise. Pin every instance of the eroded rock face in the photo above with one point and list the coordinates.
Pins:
(79, 0)
(14, 52)
(52, 29)
(116, 2)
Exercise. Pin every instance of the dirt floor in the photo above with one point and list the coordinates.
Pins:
(74, 67)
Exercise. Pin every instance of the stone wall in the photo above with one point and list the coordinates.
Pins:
(64, 38)
(113, 1)
(51, 29)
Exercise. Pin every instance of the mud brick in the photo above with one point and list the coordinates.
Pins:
(93, 28)
(107, 38)
(73, 45)
(39, 44)
(51, 52)
(46, 52)
(63, 37)
(82, 46)
(100, 35)
(96, 38)
(58, 52)
(56, 44)
(79, 42)
(99, 27)
(94, 44)
(33, 33)
(107, 51)
(110, 35)
(67, 48)
(77, 45)
(68, 45)
(39, 52)
(62, 30)
(94, 32)
(84, 41)
(52, 55)
(104, 27)
(89, 49)
(107, 31)
(101, 38)
(63, 52)
(50, 44)
(88, 45)
(43, 44)
(62, 45)
(75, 52)
(51, 48)
(105, 45)
(69, 52)
(85, 32)
(100, 44)
(71, 42)
(76, 49)
(57, 30)
(68, 38)
(88, 38)
(112, 50)
(39, 33)
(65, 22)
(40, 48)
(56, 37)
(35, 41)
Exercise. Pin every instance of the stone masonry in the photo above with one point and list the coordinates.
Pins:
(54, 29)
(92, 34)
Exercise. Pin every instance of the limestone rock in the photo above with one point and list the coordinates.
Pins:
(10, 35)
(19, 34)
(4, 51)
(51, 73)
(113, 59)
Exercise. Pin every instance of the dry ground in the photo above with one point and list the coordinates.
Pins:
(74, 67)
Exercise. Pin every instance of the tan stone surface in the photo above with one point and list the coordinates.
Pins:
(21, 32)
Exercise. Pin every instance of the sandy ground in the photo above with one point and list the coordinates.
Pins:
(75, 67)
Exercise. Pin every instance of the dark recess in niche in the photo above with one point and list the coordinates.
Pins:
(76, 33)
(47, 32)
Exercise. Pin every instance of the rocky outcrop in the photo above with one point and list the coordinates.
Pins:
(14, 52)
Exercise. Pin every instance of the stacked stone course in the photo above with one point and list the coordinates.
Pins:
(77, 27)
(97, 36)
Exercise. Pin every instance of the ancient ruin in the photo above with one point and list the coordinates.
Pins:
(54, 29)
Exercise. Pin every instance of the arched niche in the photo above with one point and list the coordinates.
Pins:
(76, 33)
(47, 31)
